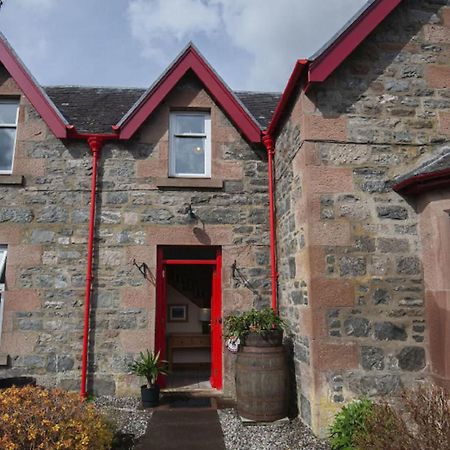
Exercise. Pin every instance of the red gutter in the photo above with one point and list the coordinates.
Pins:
(95, 142)
(269, 144)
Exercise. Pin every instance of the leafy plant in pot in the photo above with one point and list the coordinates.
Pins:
(258, 328)
(149, 365)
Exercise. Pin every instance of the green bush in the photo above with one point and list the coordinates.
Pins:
(253, 321)
(349, 423)
(49, 419)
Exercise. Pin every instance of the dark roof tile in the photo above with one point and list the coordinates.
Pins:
(96, 109)
(93, 109)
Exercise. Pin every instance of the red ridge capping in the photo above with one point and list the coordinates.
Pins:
(190, 59)
(34, 93)
(340, 49)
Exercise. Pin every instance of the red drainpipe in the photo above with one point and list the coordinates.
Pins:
(95, 142)
(270, 147)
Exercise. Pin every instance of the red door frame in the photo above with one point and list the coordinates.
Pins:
(216, 309)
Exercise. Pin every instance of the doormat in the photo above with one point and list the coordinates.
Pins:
(190, 402)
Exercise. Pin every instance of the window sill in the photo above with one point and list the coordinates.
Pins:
(207, 183)
(11, 180)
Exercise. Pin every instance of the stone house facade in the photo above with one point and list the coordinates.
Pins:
(362, 199)
(362, 255)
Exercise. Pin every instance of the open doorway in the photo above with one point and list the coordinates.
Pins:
(188, 323)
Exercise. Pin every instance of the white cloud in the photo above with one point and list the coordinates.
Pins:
(273, 33)
(157, 23)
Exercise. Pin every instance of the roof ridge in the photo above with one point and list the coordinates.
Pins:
(256, 92)
(78, 86)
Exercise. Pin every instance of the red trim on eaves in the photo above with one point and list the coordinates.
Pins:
(321, 68)
(34, 93)
(190, 60)
(332, 58)
(423, 182)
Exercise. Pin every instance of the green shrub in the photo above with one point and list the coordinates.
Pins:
(349, 423)
(49, 419)
(252, 321)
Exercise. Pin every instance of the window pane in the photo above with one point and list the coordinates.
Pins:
(6, 147)
(2, 265)
(189, 156)
(8, 112)
(189, 124)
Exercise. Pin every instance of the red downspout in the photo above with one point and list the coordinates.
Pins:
(95, 144)
(270, 147)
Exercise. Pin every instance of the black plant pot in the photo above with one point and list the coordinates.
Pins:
(150, 396)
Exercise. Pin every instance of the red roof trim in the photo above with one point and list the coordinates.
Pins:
(320, 69)
(423, 182)
(190, 59)
(328, 62)
(300, 66)
(34, 93)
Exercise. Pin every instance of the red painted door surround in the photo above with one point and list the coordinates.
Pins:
(216, 309)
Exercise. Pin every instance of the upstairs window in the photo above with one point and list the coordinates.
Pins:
(8, 125)
(190, 144)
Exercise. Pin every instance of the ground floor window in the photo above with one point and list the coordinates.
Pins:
(2, 283)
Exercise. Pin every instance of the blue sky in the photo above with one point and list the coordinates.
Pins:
(252, 44)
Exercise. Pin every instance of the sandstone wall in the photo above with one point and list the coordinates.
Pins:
(44, 222)
(351, 278)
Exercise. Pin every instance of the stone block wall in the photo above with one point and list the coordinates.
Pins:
(44, 223)
(351, 276)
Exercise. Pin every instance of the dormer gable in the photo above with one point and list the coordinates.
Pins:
(190, 59)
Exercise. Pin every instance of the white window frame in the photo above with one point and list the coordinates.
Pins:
(10, 126)
(206, 135)
(3, 253)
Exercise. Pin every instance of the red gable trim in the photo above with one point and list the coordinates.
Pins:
(300, 66)
(328, 62)
(190, 59)
(35, 94)
(320, 69)
(424, 182)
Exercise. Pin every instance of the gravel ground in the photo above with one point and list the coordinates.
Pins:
(126, 413)
(292, 435)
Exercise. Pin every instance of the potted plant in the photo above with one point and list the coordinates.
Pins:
(259, 328)
(149, 365)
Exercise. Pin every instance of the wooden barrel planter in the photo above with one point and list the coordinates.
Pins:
(262, 378)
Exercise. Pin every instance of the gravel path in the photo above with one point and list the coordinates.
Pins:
(126, 413)
(292, 435)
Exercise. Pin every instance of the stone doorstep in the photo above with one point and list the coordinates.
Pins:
(4, 359)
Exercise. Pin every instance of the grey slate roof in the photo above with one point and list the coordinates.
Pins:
(261, 105)
(95, 109)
